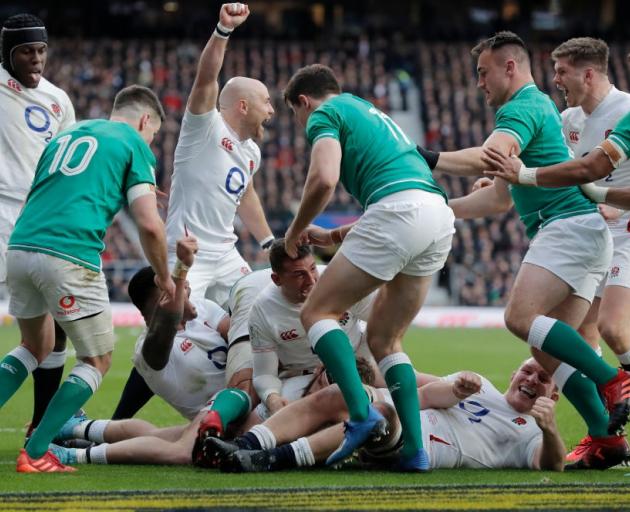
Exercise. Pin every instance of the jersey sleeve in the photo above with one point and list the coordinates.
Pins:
(323, 122)
(259, 333)
(516, 122)
(68, 114)
(213, 314)
(194, 133)
(141, 164)
(620, 140)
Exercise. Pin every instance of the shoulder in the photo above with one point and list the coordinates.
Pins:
(571, 114)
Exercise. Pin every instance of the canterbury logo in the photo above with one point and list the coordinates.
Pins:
(227, 143)
(9, 368)
(289, 335)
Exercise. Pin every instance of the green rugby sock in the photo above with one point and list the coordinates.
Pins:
(582, 393)
(401, 381)
(231, 404)
(333, 347)
(560, 340)
(14, 368)
(70, 397)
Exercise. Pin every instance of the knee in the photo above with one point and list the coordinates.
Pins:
(517, 324)
(590, 332)
(102, 363)
(616, 336)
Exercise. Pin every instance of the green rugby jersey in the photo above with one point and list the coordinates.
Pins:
(378, 159)
(621, 134)
(80, 183)
(534, 121)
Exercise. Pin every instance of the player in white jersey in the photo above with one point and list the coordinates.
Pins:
(284, 364)
(182, 356)
(215, 161)
(33, 111)
(594, 108)
(468, 424)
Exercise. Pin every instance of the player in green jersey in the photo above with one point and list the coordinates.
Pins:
(571, 246)
(402, 239)
(84, 176)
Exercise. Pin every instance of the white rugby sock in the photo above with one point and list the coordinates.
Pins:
(265, 437)
(92, 430)
(624, 358)
(97, 454)
(303, 454)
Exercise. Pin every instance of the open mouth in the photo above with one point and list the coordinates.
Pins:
(527, 391)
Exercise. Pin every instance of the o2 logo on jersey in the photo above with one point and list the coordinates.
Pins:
(221, 354)
(475, 410)
(235, 182)
(37, 118)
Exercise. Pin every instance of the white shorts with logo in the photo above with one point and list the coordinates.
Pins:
(9, 212)
(619, 271)
(577, 249)
(213, 274)
(407, 232)
(39, 283)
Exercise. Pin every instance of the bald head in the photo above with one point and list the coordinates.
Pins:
(240, 88)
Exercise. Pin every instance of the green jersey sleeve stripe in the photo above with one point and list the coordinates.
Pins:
(324, 135)
(511, 132)
(619, 141)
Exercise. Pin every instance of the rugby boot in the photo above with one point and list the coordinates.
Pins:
(616, 394)
(357, 433)
(47, 463)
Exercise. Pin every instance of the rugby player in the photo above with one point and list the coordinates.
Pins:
(571, 245)
(215, 160)
(402, 239)
(33, 111)
(467, 423)
(83, 178)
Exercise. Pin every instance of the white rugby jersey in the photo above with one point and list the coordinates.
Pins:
(274, 326)
(583, 132)
(482, 431)
(212, 169)
(196, 366)
(29, 119)
(242, 297)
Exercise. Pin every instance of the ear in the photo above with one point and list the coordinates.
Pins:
(555, 394)
(144, 121)
(510, 67)
(275, 278)
(242, 106)
(589, 75)
(304, 101)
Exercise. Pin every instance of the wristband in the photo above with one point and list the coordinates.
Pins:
(431, 157)
(595, 192)
(222, 31)
(180, 271)
(527, 175)
(265, 243)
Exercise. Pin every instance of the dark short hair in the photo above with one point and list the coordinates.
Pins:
(584, 50)
(501, 40)
(141, 287)
(134, 96)
(278, 255)
(315, 80)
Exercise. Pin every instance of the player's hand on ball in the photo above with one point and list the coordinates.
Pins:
(544, 413)
(232, 15)
(319, 236)
(466, 384)
(482, 183)
(186, 249)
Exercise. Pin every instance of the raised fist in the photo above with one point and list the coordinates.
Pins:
(186, 250)
(232, 15)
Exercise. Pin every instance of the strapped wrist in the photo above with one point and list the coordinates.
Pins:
(527, 175)
(180, 270)
(222, 31)
(265, 243)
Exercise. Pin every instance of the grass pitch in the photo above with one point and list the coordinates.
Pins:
(493, 353)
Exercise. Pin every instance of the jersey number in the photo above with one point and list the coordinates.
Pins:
(66, 152)
(391, 125)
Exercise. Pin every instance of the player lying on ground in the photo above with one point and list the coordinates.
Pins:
(469, 424)
(139, 442)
